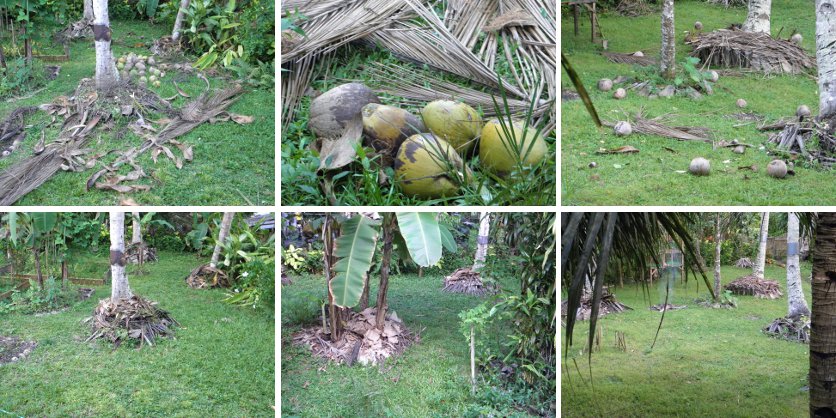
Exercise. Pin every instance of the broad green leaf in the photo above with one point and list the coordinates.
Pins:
(13, 226)
(354, 250)
(447, 238)
(422, 235)
(44, 221)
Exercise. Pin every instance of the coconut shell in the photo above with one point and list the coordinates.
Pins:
(496, 152)
(803, 111)
(332, 110)
(425, 167)
(699, 167)
(386, 127)
(623, 128)
(777, 169)
(619, 94)
(605, 84)
(454, 122)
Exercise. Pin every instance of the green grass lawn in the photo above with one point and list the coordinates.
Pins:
(650, 177)
(221, 362)
(429, 379)
(233, 164)
(706, 362)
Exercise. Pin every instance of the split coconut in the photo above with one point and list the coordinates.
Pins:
(454, 122)
(332, 110)
(429, 167)
(386, 127)
(500, 153)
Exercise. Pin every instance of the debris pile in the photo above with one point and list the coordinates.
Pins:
(465, 280)
(360, 341)
(753, 286)
(207, 277)
(85, 293)
(792, 329)
(744, 263)
(608, 305)
(134, 319)
(140, 251)
(754, 50)
(14, 349)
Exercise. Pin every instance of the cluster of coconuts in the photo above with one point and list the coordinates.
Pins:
(701, 167)
(427, 151)
(140, 67)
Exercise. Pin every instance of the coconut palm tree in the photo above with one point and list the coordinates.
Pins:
(136, 228)
(120, 288)
(668, 55)
(226, 224)
(106, 74)
(482, 241)
(757, 20)
(823, 319)
(796, 304)
(826, 56)
(760, 262)
(178, 21)
(718, 245)
(88, 11)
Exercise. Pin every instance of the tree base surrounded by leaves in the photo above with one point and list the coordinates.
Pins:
(744, 263)
(608, 305)
(361, 341)
(757, 51)
(753, 286)
(134, 319)
(791, 329)
(14, 349)
(207, 277)
(465, 280)
(135, 252)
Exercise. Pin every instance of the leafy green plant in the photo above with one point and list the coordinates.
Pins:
(20, 78)
(292, 257)
(257, 285)
(34, 300)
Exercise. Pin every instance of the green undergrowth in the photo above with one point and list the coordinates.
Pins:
(650, 177)
(706, 362)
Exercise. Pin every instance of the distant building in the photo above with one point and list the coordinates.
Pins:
(264, 220)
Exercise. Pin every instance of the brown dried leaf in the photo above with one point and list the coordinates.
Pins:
(625, 149)
(127, 201)
(121, 188)
(339, 152)
(241, 119)
(179, 90)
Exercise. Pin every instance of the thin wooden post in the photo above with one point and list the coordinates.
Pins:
(472, 360)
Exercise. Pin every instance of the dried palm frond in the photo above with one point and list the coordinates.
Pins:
(465, 280)
(609, 304)
(655, 126)
(791, 329)
(622, 58)
(662, 307)
(140, 251)
(466, 18)
(207, 277)
(753, 286)
(296, 80)
(759, 51)
(130, 319)
(744, 262)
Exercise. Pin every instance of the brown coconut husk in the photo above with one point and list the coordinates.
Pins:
(465, 280)
(791, 329)
(136, 319)
(14, 349)
(758, 51)
(361, 341)
(753, 286)
(207, 277)
(609, 304)
(745, 263)
(134, 252)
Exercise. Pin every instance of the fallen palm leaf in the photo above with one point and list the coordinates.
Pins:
(625, 149)
(756, 50)
(206, 277)
(136, 319)
(753, 286)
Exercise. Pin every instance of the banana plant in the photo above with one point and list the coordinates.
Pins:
(32, 230)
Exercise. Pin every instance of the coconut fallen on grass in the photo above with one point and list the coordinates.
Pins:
(429, 167)
(623, 128)
(699, 167)
(455, 122)
(134, 319)
(207, 277)
(605, 84)
(465, 280)
(331, 111)
(503, 147)
(777, 169)
(619, 94)
(386, 127)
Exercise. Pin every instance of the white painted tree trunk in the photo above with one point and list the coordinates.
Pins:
(88, 10)
(136, 227)
(826, 56)
(106, 74)
(668, 55)
(120, 289)
(226, 223)
(796, 304)
(758, 18)
(718, 245)
(482, 241)
(178, 21)
(760, 262)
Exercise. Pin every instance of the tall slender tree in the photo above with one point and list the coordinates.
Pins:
(226, 223)
(718, 245)
(178, 21)
(826, 56)
(668, 55)
(88, 10)
(823, 319)
(120, 288)
(758, 18)
(136, 228)
(482, 241)
(760, 262)
(796, 304)
(107, 76)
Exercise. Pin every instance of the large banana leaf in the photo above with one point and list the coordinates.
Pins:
(43, 222)
(422, 234)
(354, 250)
(447, 238)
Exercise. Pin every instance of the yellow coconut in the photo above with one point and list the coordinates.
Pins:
(454, 122)
(427, 167)
(386, 127)
(500, 152)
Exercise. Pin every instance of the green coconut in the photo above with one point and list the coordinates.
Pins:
(497, 150)
(386, 127)
(425, 166)
(454, 122)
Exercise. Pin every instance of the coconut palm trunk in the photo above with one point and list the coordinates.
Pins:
(826, 56)
(226, 223)
(718, 245)
(106, 75)
(482, 241)
(760, 262)
(796, 304)
(178, 21)
(668, 55)
(757, 20)
(88, 10)
(120, 289)
(823, 320)
(136, 228)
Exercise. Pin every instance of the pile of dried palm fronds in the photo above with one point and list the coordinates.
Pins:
(662, 307)
(728, 3)
(608, 305)
(465, 280)
(630, 58)
(75, 30)
(655, 126)
(792, 329)
(634, 8)
(755, 50)
(12, 131)
(134, 319)
(134, 253)
(85, 293)
(744, 263)
(207, 277)
(360, 341)
(14, 349)
(753, 286)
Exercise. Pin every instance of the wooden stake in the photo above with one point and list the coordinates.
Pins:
(472, 360)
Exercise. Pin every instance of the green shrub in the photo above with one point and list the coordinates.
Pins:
(257, 285)
(169, 243)
(21, 78)
(34, 300)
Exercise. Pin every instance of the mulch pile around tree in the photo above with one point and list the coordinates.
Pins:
(744, 263)
(608, 305)
(136, 319)
(752, 286)
(207, 277)
(757, 51)
(792, 329)
(465, 280)
(133, 251)
(667, 307)
(361, 341)
(13, 349)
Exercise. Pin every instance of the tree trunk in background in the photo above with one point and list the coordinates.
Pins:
(668, 55)
(388, 232)
(758, 18)
(826, 56)
(226, 223)
(364, 298)
(3, 59)
(760, 262)
(482, 241)
(38, 272)
(328, 239)
(27, 46)
(120, 289)
(136, 238)
(718, 246)
(88, 10)
(823, 320)
(106, 75)
(178, 22)
(65, 274)
(796, 303)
